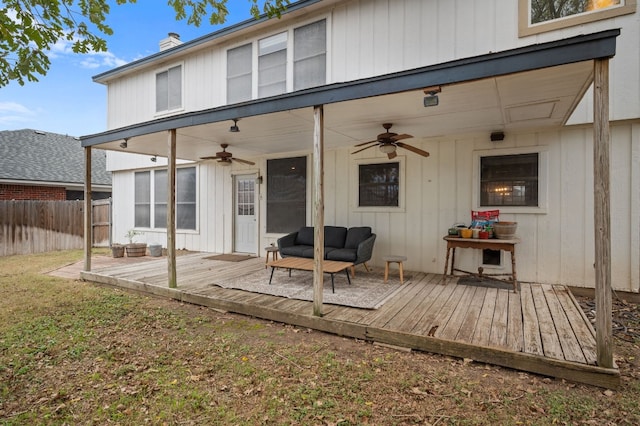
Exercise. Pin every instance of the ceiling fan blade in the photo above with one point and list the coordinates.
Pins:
(392, 155)
(400, 137)
(215, 157)
(413, 149)
(362, 149)
(251, 163)
(365, 143)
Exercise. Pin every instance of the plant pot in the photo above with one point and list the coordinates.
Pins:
(155, 250)
(117, 250)
(136, 249)
(505, 230)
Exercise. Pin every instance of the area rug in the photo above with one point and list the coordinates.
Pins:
(367, 290)
(230, 257)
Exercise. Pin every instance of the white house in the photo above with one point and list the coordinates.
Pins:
(499, 93)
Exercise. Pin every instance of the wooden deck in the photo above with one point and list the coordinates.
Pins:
(540, 329)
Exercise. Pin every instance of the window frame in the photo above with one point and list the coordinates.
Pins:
(290, 83)
(152, 201)
(526, 28)
(543, 179)
(354, 192)
(155, 86)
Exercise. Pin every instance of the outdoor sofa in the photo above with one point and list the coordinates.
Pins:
(347, 245)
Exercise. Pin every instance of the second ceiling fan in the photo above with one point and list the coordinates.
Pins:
(225, 158)
(388, 143)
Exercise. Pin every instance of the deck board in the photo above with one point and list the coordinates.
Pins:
(540, 329)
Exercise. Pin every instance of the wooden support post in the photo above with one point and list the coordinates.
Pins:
(171, 209)
(602, 219)
(88, 214)
(318, 208)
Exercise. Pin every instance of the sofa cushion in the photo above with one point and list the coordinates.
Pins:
(334, 236)
(296, 251)
(356, 235)
(305, 236)
(343, 255)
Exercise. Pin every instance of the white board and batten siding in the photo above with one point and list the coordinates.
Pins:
(373, 37)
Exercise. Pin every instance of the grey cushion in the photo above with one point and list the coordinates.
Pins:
(356, 235)
(334, 236)
(305, 236)
(296, 251)
(343, 255)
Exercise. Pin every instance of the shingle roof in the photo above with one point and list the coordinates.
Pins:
(33, 155)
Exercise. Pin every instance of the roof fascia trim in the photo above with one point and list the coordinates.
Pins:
(555, 53)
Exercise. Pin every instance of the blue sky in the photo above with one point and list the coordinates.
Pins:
(66, 100)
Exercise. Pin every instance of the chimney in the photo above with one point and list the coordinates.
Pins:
(172, 40)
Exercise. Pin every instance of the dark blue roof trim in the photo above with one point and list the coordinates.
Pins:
(555, 53)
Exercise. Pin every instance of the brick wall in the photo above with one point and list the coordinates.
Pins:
(24, 192)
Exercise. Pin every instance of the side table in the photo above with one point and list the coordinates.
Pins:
(394, 259)
(274, 254)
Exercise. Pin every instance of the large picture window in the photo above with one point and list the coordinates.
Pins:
(509, 180)
(286, 194)
(151, 199)
(169, 89)
(536, 16)
(379, 185)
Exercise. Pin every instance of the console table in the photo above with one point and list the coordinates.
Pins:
(480, 244)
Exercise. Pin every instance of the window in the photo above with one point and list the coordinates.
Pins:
(185, 199)
(379, 185)
(536, 16)
(509, 180)
(239, 65)
(286, 194)
(169, 89)
(272, 65)
(295, 59)
(142, 213)
(309, 55)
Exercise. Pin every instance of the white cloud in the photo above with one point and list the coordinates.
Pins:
(62, 49)
(12, 113)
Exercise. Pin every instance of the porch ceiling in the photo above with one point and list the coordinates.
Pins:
(531, 87)
(534, 99)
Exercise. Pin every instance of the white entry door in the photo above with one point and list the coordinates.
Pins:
(245, 223)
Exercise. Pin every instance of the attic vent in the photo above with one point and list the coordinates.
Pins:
(172, 40)
(39, 132)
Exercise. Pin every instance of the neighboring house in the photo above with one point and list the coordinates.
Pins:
(37, 165)
(499, 93)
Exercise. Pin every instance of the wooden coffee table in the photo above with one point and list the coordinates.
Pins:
(304, 264)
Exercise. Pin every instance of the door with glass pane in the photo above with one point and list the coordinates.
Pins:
(245, 223)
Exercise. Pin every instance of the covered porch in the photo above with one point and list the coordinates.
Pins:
(541, 329)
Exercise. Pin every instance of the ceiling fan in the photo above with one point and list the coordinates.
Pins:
(225, 158)
(388, 142)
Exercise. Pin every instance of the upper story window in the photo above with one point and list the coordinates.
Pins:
(310, 55)
(239, 65)
(291, 60)
(536, 16)
(169, 89)
(272, 65)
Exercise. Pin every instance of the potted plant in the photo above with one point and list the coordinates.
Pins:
(135, 249)
(117, 250)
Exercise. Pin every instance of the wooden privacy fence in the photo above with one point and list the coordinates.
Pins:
(28, 226)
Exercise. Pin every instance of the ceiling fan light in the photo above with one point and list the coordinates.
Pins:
(387, 148)
(224, 162)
